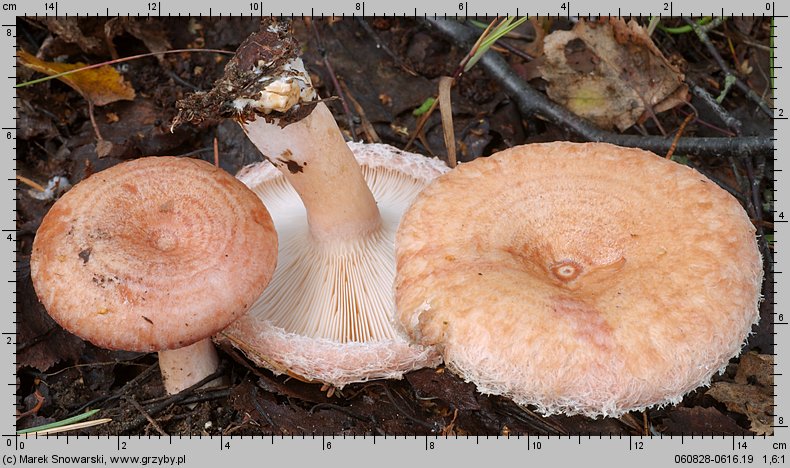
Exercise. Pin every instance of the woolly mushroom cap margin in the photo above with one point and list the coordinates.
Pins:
(580, 278)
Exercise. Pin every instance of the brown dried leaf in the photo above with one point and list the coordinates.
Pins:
(101, 85)
(41, 343)
(611, 73)
(758, 367)
(535, 48)
(74, 30)
(148, 30)
(441, 384)
(753, 401)
(698, 420)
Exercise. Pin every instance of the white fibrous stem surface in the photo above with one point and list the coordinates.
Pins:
(316, 161)
(181, 368)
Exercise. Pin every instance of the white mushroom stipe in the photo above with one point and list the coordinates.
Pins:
(184, 367)
(327, 314)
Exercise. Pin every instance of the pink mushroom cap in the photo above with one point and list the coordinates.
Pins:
(153, 254)
(579, 278)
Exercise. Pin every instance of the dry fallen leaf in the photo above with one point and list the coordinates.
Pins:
(74, 30)
(699, 420)
(540, 25)
(751, 392)
(40, 342)
(611, 73)
(759, 367)
(100, 86)
(148, 30)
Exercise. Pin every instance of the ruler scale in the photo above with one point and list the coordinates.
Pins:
(389, 449)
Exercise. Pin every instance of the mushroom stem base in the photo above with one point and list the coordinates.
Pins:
(184, 367)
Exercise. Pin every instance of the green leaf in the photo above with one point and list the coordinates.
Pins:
(498, 33)
(423, 107)
(65, 422)
(685, 28)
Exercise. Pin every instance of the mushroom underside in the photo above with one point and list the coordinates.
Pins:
(328, 313)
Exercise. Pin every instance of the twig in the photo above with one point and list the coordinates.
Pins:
(173, 399)
(207, 149)
(181, 81)
(446, 110)
(756, 201)
(120, 392)
(532, 102)
(206, 395)
(95, 364)
(421, 124)
(93, 121)
(728, 120)
(737, 173)
(216, 153)
(370, 132)
(702, 34)
(142, 410)
(751, 200)
(425, 424)
(340, 409)
(686, 121)
(30, 183)
(757, 45)
(515, 50)
(704, 123)
(528, 417)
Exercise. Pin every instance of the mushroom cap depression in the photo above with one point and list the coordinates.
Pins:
(329, 313)
(579, 278)
(153, 254)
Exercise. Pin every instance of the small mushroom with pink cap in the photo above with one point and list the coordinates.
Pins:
(579, 278)
(155, 254)
(329, 313)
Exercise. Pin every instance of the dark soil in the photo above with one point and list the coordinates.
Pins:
(389, 67)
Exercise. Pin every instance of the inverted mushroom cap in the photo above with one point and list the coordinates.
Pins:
(580, 278)
(328, 313)
(153, 254)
